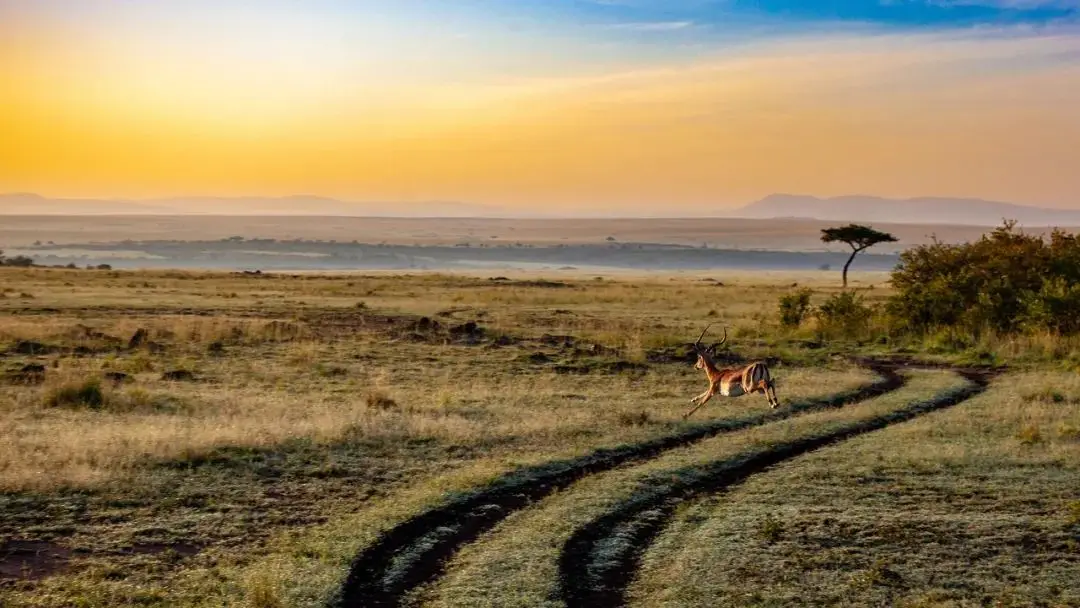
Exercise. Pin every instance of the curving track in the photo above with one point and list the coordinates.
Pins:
(415, 552)
(586, 579)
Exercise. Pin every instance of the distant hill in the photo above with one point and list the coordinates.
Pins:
(928, 210)
(34, 204)
(300, 205)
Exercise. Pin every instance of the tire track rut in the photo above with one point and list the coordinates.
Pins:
(599, 561)
(416, 551)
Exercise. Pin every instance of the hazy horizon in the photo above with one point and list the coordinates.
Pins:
(926, 211)
(619, 107)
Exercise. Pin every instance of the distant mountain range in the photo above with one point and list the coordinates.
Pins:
(958, 211)
(928, 210)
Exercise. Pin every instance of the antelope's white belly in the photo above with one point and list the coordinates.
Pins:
(731, 390)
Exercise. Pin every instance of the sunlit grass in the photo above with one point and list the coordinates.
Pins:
(305, 430)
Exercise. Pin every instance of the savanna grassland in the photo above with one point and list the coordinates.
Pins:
(220, 439)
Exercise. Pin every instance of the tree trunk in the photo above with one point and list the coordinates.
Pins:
(854, 253)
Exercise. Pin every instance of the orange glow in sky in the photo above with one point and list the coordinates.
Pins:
(559, 109)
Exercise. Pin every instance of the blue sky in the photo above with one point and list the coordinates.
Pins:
(896, 13)
(731, 17)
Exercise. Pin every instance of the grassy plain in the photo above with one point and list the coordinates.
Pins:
(264, 429)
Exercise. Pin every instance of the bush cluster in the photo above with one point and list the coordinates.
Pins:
(794, 308)
(1006, 282)
(843, 315)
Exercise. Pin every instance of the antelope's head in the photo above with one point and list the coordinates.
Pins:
(706, 353)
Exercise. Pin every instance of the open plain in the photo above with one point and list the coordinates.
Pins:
(229, 439)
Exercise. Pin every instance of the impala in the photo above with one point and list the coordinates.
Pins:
(732, 381)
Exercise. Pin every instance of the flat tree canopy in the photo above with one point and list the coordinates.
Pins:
(859, 237)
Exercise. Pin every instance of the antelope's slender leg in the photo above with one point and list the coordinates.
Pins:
(763, 386)
(708, 395)
(701, 396)
(773, 399)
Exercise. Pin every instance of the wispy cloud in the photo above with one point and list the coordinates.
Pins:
(651, 26)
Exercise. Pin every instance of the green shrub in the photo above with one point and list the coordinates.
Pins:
(844, 315)
(1003, 283)
(794, 308)
(1054, 308)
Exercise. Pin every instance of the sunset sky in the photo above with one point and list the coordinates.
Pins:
(618, 105)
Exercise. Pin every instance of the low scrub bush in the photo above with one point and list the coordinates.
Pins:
(86, 393)
(844, 315)
(795, 308)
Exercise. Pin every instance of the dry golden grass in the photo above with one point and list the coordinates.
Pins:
(239, 405)
(317, 418)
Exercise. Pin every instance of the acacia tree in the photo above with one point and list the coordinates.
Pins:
(859, 238)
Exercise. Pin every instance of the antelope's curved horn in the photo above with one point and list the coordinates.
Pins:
(698, 343)
(721, 342)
